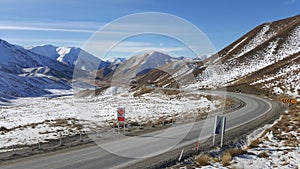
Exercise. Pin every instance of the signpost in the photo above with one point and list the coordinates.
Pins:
(121, 117)
(220, 122)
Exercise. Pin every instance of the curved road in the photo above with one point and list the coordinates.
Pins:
(136, 148)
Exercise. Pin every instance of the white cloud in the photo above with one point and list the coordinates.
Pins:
(55, 42)
(22, 28)
(79, 27)
(119, 30)
(140, 46)
(127, 48)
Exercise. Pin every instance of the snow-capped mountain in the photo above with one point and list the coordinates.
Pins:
(141, 64)
(24, 73)
(115, 61)
(17, 60)
(71, 56)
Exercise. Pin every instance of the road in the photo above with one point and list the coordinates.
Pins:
(135, 149)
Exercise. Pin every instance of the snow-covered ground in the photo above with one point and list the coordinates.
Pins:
(30, 120)
(286, 81)
(275, 145)
(280, 146)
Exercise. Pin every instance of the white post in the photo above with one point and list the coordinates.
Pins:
(214, 135)
(180, 155)
(223, 130)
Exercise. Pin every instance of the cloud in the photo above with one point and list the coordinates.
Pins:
(78, 27)
(23, 28)
(55, 42)
(129, 47)
(120, 30)
(104, 50)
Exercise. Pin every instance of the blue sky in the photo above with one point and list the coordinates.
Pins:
(72, 22)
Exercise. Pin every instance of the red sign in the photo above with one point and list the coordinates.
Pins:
(121, 114)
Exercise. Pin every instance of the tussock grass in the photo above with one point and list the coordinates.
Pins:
(263, 155)
(255, 143)
(236, 151)
(202, 160)
(226, 158)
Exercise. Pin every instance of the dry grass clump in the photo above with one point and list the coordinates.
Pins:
(226, 158)
(263, 155)
(202, 160)
(142, 91)
(255, 143)
(236, 151)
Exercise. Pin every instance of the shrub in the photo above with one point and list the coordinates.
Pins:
(254, 143)
(263, 155)
(226, 158)
(236, 151)
(202, 160)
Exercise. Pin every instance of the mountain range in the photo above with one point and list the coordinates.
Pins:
(266, 58)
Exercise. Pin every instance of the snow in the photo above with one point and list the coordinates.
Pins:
(143, 108)
(285, 80)
(115, 61)
(280, 155)
(236, 45)
(71, 56)
(245, 62)
(44, 112)
(257, 40)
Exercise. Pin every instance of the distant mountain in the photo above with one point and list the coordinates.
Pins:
(70, 57)
(24, 73)
(141, 64)
(17, 60)
(115, 61)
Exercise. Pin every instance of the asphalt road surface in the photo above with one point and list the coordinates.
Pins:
(128, 150)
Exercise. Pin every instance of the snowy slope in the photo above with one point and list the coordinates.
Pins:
(282, 78)
(70, 55)
(24, 73)
(267, 47)
(13, 86)
(14, 59)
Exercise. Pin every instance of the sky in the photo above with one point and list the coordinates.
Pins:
(75, 22)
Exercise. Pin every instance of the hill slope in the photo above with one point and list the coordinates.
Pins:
(266, 57)
(24, 73)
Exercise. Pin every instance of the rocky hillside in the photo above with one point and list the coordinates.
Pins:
(266, 57)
